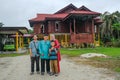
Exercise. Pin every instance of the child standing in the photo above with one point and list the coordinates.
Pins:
(53, 59)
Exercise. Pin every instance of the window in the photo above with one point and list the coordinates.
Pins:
(88, 29)
(57, 26)
(42, 28)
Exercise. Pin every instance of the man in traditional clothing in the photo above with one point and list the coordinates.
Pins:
(44, 46)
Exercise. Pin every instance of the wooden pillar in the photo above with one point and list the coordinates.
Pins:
(49, 37)
(70, 31)
(74, 36)
(74, 21)
(28, 40)
(49, 29)
(99, 35)
(70, 27)
(93, 32)
(16, 41)
(22, 41)
(66, 38)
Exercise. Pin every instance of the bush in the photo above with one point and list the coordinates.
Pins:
(116, 43)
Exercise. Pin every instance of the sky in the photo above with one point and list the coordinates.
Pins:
(18, 12)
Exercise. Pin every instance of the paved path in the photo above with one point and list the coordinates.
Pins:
(18, 68)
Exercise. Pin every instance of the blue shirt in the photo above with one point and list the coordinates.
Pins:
(44, 47)
(53, 54)
(32, 47)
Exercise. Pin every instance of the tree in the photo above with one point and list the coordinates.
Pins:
(116, 27)
(116, 24)
(1, 24)
(30, 31)
(110, 25)
(106, 27)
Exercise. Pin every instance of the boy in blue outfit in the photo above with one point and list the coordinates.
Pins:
(44, 46)
(53, 59)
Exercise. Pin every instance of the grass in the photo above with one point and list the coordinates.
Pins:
(12, 54)
(113, 52)
(117, 69)
(112, 63)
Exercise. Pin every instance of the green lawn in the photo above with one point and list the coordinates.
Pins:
(113, 62)
(113, 52)
(12, 54)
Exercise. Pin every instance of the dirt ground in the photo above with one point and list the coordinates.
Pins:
(18, 68)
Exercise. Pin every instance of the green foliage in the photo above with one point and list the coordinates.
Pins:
(117, 69)
(12, 54)
(30, 31)
(116, 26)
(111, 26)
(113, 52)
(1, 24)
(116, 43)
(112, 62)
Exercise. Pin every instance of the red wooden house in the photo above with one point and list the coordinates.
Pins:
(70, 25)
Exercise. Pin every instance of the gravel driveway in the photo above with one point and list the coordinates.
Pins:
(18, 68)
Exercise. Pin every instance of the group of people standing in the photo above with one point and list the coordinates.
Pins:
(48, 51)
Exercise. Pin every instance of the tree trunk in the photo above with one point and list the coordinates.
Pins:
(118, 34)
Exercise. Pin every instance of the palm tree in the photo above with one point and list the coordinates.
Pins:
(110, 25)
(106, 30)
(116, 28)
(116, 24)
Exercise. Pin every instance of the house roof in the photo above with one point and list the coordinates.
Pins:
(63, 13)
(57, 16)
(84, 8)
(25, 35)
(43, 17)
(67, 8)
(13, 30)
(98, 20)
(40, 17)
(85, 12)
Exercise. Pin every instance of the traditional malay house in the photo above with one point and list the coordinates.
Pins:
(71, 25)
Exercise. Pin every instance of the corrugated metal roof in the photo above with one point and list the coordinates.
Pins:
(12, 30)
(63, 13)
(85, 12)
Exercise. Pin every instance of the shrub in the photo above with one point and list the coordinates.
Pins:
(116, 43)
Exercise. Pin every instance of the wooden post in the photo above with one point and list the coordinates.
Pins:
(28, 40)
(49, 36)
(70, 27)
(74, 36)
(22, 41)
(93, 32)
(66, 38)
(99, 36)
(16, 41)
(74, 25)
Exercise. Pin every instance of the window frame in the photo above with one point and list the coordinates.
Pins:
(42, 28)
(57, 26)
